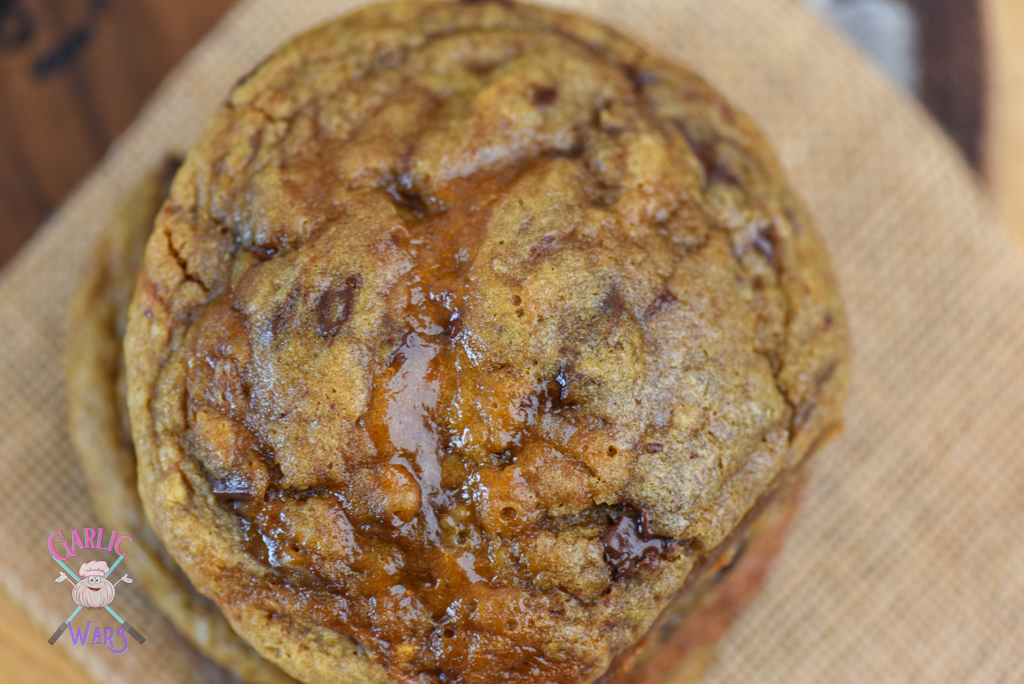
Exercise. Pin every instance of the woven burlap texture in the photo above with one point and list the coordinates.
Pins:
(907, 564)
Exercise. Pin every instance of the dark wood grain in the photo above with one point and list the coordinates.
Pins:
(952, 59)
(73, 75)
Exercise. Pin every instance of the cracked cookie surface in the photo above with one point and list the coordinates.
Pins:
(466, 332)
(99, 430)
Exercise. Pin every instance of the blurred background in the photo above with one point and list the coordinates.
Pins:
(74, 74)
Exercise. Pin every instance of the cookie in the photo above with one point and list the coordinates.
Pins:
(677, 651)
(469, 336)
(96, 407)
(98, 426)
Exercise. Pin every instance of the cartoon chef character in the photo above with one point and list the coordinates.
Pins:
(94, 590)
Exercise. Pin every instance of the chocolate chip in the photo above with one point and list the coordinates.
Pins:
(563, 391)
(284, 312)
(231, 488)
(805, 411)
(628, 543)
(766, 243)
(550, 398)
(614, 304)
(334, 307)
(503, 459)
(264, 252)
(570, 383)
(454, 327)
(565, 394)
(573, 151)
(408, 198)
(716, 167)
(543, 247)
(544, 96)
(480, 68)
(653, 447)
(660, 304)
(638, 77)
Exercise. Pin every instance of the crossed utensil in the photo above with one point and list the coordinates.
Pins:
(67, 623)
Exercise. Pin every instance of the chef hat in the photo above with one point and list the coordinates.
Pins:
(98, 568)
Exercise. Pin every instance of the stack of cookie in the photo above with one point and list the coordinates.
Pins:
(101, 433)
(469, 343)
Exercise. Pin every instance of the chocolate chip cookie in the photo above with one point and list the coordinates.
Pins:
(469, 337)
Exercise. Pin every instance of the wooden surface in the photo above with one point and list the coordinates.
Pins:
(953, 69)
(73, 74)
(26, 657)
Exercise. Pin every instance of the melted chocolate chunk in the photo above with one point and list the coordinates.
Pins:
(454, 326)
(628, 543)
(716, 167)
(231, 488)
(570, 381)
(335, 306)
(549, 398)
(543, 247)
(614, 304)
(284, 312)
(766, 243)
(638, 77)
(408, 198)
(544, 96)
(504, 459)
(264, 252)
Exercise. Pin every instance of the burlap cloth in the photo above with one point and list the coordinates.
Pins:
(907, 564)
